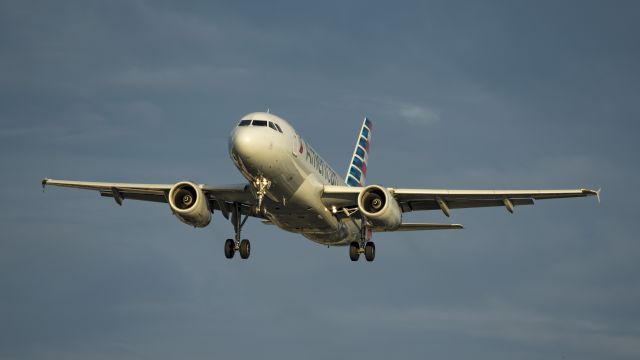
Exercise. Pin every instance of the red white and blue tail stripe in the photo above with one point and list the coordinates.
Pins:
(358, 165)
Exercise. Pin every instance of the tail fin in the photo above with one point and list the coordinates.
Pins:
(358, 166)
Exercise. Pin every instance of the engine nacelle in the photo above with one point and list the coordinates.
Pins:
(189, 204)
(380, 207)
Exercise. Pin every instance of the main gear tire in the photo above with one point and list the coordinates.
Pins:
(354, 251)
(229, 248)
(370, 251)
(245, 249)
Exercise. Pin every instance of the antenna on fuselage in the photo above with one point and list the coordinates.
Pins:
(268, 111)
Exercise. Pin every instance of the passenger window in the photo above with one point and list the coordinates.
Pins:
(273, 126)
(259, 123)
(245, 123)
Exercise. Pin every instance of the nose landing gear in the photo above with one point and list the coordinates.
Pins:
(261, 184)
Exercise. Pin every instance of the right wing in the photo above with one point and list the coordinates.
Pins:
(220, 197)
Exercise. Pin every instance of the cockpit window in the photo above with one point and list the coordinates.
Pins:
(270, 124)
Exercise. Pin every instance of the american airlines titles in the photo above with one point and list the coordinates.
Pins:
(321, 166)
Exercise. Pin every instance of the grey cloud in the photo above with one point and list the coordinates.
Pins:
(178, 78)
(417, 114)
(499, 320)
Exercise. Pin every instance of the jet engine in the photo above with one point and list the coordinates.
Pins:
(189, 204)
(380, 207)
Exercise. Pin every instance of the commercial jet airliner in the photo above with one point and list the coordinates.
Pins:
(292, 187)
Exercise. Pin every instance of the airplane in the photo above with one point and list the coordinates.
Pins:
(292, 187)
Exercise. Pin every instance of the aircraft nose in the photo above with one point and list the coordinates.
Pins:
(249, 145)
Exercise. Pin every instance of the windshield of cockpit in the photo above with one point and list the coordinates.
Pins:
(263, 123)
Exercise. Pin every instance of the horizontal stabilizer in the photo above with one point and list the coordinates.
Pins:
(418, 227)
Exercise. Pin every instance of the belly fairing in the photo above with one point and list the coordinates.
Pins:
(346, 233)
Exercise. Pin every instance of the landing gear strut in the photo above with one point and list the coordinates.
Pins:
(262, 185)
(233, 245)
(364, 246)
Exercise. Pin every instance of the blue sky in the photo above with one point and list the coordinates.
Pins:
(494, 94)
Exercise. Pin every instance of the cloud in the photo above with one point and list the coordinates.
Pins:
(417, 114)
(180, 77)
(499, 320)
(392, 108)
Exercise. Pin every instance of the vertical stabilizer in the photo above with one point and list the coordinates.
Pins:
(357, 171)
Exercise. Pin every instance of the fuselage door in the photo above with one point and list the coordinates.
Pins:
(298, 146)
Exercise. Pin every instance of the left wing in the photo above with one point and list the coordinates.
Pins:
(219, 196)
(444, 200)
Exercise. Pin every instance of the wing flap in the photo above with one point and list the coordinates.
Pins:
(459, 204)
(340, 196)
(240, 193)
(136, 196)
(422, 226)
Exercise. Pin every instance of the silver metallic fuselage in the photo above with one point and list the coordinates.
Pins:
(297, 174)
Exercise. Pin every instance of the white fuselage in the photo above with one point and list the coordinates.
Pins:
(297, 174)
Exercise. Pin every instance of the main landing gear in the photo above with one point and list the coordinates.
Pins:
(369, 250)
(230, 248)
(233, 245)
(364, 246)
(261, 185)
